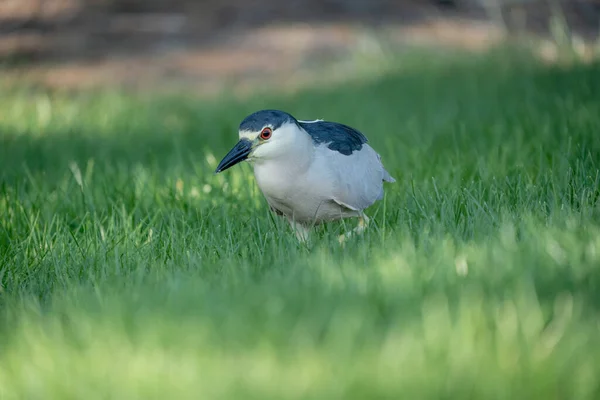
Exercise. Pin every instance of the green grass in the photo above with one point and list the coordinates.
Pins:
(129, 270)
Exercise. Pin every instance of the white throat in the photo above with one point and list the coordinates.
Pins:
(277, 172)
(290, 148)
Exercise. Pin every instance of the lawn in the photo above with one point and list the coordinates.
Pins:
(129, 270)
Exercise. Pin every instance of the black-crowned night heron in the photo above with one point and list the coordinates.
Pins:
(310, 172)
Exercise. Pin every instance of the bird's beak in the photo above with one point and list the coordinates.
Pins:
(239, 153)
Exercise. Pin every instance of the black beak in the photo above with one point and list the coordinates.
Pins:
(239, 153)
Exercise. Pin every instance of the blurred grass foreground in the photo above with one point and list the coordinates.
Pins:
(129, 270)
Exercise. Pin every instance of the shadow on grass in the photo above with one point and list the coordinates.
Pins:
(433, 113)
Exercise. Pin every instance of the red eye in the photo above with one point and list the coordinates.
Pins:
(266, 133)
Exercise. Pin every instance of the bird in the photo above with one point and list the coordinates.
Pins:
(310, 171)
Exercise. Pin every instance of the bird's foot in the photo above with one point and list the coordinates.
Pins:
(301, 231)
(303, 235)
(363, 223)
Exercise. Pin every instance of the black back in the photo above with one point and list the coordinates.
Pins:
(339, 137)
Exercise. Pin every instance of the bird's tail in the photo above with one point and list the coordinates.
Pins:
(387, 177)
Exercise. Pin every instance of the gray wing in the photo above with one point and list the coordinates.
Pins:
(356, 179)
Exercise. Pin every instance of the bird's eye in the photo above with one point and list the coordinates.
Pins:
(266, 133)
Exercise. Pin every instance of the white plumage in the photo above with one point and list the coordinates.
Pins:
(309, 171)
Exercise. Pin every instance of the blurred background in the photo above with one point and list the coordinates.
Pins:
(206, 44)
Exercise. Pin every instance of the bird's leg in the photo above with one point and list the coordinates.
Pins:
(302, 231)
(363, 223)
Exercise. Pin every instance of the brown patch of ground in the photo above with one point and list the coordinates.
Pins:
(78, 44)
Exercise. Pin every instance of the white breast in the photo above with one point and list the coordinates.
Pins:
(302, 195)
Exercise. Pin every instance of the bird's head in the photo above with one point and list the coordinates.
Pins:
(266, 134)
